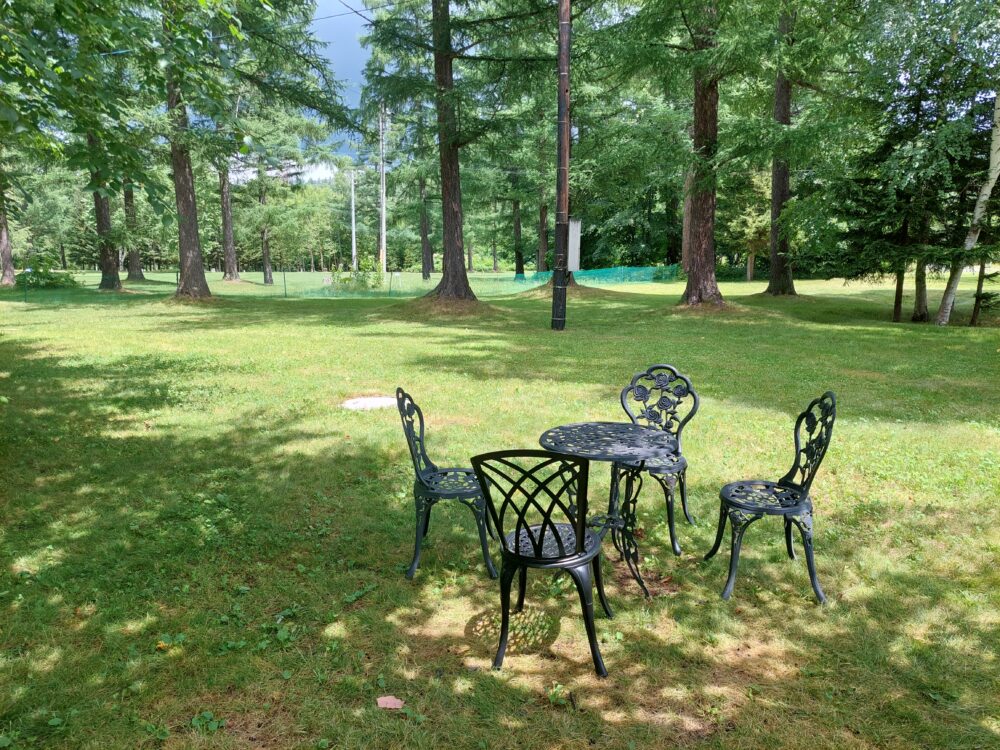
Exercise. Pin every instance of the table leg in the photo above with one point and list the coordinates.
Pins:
(624, 533)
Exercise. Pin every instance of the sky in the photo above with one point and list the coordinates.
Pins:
(342, 35)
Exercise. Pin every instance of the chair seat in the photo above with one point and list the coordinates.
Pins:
(760, 496)
(550, 548)
(451, 483)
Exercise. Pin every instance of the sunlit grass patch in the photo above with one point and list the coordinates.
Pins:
(191, 525)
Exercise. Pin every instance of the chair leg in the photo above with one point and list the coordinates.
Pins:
(682, 482)
(788, 538)
(719, 533)
(507, 571)
(478, 507)
(584, 585)
(804, 523)
(599, 582)
(522, 587)
(739, 522)
(667, 483)
(423, 512)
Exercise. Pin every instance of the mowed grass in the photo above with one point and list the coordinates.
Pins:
(191, 524)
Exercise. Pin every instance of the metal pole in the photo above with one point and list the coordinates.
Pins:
(562, 172)
(381, 177)
(354, 230)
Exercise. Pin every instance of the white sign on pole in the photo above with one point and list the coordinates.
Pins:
(573, 262)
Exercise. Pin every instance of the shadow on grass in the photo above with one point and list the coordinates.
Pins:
(153, 572)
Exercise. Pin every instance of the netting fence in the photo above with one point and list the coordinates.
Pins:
(319, 284)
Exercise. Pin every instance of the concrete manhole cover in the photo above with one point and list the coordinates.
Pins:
(367, 403)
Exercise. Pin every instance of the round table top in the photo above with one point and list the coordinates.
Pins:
(620, 442)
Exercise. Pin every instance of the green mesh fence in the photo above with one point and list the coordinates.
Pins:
(364, 285)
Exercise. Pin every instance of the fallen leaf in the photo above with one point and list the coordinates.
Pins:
(389, 701)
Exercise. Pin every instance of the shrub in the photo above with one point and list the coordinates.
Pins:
(44, 277)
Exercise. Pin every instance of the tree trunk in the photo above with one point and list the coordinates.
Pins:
(750, 263)
(897, 304)
(107, 255)
(702, 287)
(518, 246)
(6, 251)
(230, 266)
(322, 260)
(978, 306)
(780, 274)
(134, 256)
(265, 239)
(382, 240)
(993, 171)
(191, 279)
(541, 262)
(62, 257)
(426, 251)
(469, 250)
(920, 311)
(454, 282)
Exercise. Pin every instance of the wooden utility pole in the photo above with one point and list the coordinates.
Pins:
(381, 188)
(562, 172)
(354, 230)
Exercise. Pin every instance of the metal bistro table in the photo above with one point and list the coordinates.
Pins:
(626, 447)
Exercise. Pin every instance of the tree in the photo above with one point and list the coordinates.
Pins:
(976, 225)
(780, 273)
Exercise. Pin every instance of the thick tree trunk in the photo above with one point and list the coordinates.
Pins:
(920, 311)
(107, 255)
(750, 264)
(993, 171)
(191, 280)
(230, 265)
(6, 251)
(780, 274)
(518, 245)
(897, 304)
(978, 306)
(454, 282)
(702, 287)
(541, 262)
(426, 251)
(110, 279)
(131, 224)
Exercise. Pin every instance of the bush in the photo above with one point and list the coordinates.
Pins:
(44, 277)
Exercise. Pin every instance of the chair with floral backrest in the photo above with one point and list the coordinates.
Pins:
(433, 484)
(748, 501)
(662, 399)
(537, 503)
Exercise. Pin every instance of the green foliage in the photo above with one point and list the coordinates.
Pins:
(45, 277)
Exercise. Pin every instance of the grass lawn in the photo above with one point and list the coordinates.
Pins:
(189, 523)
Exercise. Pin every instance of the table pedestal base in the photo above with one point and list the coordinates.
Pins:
(621, 508)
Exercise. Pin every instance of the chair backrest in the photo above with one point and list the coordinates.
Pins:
(413, 429)
(660, 398)
(534, 493)
(813, 430)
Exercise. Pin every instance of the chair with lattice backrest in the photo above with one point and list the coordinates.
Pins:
(537, 503)
(743, 503)
(661, 398)
(433, 484)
